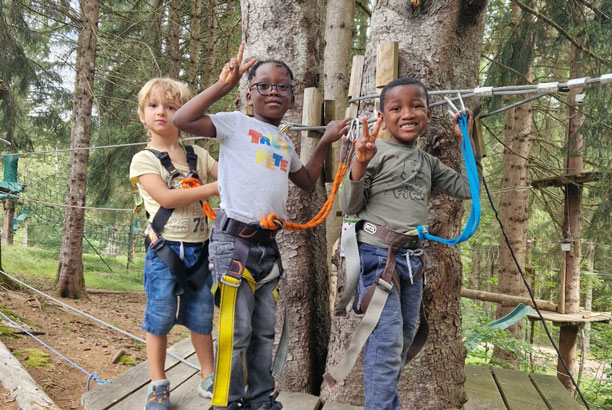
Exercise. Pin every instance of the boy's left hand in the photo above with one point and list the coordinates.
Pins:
(457, 129)
(335, 130)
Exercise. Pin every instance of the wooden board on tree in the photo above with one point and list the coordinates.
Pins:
(518, 391)
(553, 392)
(481, 389)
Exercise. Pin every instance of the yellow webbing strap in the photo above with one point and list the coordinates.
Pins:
(227, 306)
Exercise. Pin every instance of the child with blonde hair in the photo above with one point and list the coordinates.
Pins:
(176, 263)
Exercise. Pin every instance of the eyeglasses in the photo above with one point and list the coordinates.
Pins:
(265, 89)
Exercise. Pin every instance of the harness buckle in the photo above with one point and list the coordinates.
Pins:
(158, 244)
(384, 285)
(231, 281)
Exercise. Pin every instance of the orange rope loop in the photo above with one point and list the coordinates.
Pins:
(194, 183)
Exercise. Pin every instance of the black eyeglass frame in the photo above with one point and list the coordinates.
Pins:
(273, 86)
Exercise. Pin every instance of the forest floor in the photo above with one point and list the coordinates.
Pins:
(87, 343)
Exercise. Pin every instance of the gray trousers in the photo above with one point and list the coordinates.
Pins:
(253, 320)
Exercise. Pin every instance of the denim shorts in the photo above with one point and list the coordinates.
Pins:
(195, 311)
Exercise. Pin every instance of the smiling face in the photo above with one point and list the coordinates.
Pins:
(157, 114)
(270, 108)
(406, 113)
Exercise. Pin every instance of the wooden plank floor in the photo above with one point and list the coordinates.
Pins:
(487, 389)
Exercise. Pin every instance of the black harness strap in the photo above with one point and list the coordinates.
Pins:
(193, 278)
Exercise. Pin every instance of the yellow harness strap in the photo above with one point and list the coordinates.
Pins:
(227, 308)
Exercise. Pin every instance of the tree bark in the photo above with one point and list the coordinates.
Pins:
(588, 297)
(194, 45)
(9, 215)
(336, 75)
(439, 43)
(568, 335)
(514, 215)
(69, 279)
(291, 31)
(174, 28)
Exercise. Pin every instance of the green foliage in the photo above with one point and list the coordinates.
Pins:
(36, 358)
(41, 264)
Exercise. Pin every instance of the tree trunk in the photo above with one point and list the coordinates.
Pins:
(210, 54)
(336, 72)
(194, 45)
(588, 297)
(568, 335)
(439, 43)
(69, 279)
(174, 29)
(9, 215)
(514, 215)
(291, 31)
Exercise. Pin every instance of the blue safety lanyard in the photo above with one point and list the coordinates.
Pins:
(470, 166)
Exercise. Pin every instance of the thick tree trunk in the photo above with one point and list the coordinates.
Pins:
(291, 31)
(568, 335)
(172, 41)
(514, 214)
(439, 43)
(69, 280)
(336, 76)
(588, 297)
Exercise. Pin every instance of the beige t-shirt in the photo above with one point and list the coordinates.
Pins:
(188, 223)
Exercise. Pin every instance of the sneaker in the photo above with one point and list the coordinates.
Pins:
(205, 388)
(159, 397)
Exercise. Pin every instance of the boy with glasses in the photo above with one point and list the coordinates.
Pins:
(256, 162)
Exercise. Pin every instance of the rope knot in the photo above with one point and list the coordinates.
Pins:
(190, 183)
(271, 222)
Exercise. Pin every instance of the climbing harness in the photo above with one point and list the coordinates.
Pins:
(376, 295)
(273, 222)
(470, 166)
(226, 292)
(190, 279)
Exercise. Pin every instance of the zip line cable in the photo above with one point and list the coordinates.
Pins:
(95, 319)
(531, 296)
(541, 89)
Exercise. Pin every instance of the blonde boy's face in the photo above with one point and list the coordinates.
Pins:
(157, 115)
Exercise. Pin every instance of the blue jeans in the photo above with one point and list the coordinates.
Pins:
(195, 311)
(253, 319)
(386, 348)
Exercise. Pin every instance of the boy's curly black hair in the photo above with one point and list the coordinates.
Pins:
(278, 63)
(401, 81)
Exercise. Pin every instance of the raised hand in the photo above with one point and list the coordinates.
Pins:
(233, 70)
(457, 129)
(336, 129)
(365, 147)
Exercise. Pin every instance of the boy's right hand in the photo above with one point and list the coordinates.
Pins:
(365, 147)
(233, 70)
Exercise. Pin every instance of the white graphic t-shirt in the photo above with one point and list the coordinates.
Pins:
(255, 160)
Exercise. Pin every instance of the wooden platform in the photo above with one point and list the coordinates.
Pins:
(487, 389)
(572, 319)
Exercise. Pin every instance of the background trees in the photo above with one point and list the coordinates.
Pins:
(523, 41)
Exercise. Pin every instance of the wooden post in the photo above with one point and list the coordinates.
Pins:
(331, 158)
(354, 90)
(311, 115)
(387, 67)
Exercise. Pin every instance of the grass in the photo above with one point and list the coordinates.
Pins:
(41, 263)
(36, 358)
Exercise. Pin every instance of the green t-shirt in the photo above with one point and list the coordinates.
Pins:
(395, 190)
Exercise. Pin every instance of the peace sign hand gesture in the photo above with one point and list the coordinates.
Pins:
(233, 70)
(365, 148)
